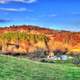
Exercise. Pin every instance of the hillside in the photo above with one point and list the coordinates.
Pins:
(28, 38)
(12, 68)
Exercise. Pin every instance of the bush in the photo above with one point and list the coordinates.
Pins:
(47, 61)
(43, 60)
(76, 59)
(38, 54)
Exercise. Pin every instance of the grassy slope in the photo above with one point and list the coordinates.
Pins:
(22, 69)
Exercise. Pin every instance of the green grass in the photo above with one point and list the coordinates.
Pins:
(12, 68)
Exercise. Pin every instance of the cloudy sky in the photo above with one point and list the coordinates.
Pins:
(55, 14)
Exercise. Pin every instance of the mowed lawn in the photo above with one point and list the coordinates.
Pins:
(12, 68)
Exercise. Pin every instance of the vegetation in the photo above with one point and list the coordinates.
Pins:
(33, 36)
(17, 37)
(37, 55)
(22, 36)
(76, 59)
(22, 69)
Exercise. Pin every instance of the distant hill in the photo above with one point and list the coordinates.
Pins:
(28, 38)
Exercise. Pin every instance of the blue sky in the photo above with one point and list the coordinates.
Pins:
(55, 14)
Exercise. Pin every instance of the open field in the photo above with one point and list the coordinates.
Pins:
(12, 68)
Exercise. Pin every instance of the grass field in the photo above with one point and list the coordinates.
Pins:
(12, 68)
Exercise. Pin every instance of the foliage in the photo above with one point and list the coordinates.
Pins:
(47, 61)
(22, 36)
(76, 59)
(38, 54)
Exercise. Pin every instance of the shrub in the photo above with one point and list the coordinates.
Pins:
(47, 61)
(76, 59)
(43, 60)
(38, 54)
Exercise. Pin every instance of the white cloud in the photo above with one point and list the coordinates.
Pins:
(20, 1)
(2, 2)
(14, 9)
(30, 1)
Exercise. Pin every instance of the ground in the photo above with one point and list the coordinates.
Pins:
(12, 68)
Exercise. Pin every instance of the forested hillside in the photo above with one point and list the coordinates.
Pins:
(28, 38)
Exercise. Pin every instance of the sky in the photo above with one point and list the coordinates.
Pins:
(54, 14)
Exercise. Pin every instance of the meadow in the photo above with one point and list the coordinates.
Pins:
(12, 68)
